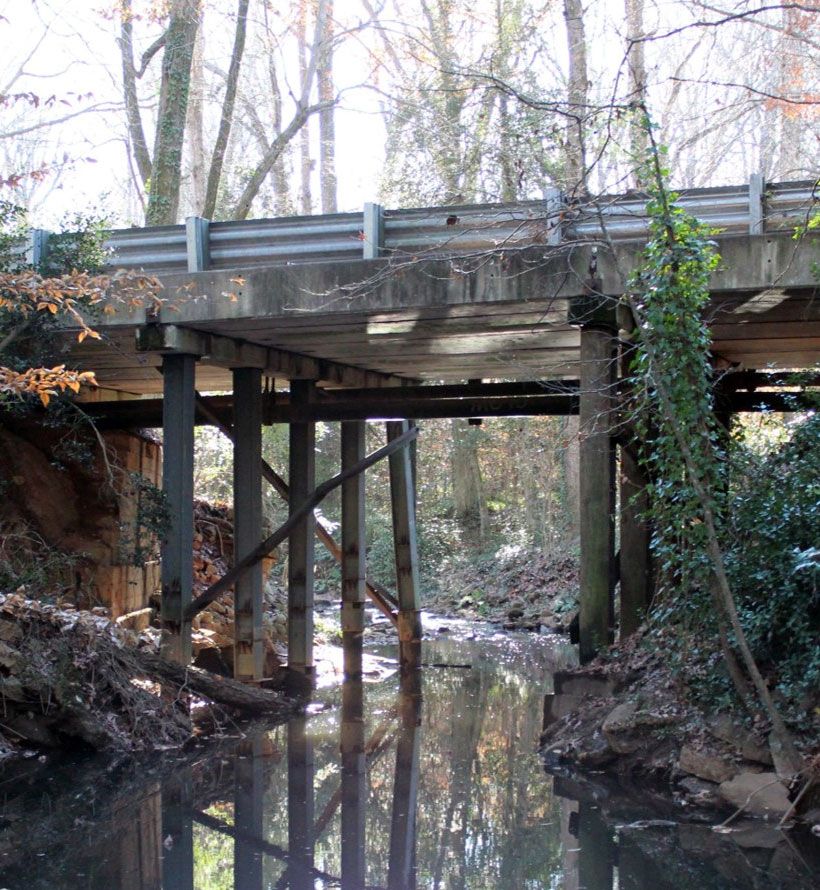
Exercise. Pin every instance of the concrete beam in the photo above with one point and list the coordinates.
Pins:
(749, 263)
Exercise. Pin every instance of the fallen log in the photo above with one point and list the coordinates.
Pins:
(220, 690)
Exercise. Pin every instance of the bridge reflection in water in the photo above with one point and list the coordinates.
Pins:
(376, 789)
(252, 765)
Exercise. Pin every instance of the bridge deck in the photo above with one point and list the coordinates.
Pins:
(502, 315)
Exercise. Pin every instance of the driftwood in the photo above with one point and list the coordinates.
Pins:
(221, 690)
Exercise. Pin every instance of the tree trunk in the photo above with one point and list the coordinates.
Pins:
(468, 495)
(327, 131)
(305, 160)
(226, 118)
(136, 135)
(163, 198)
(194, 125)
(577, 96)
(636, 62)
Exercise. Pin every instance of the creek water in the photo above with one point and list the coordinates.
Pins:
(431, 782)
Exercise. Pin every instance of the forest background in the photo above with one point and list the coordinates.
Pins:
(146, 111)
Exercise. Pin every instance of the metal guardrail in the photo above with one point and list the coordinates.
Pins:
(755, 208)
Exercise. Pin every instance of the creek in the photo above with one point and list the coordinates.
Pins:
(432, 783)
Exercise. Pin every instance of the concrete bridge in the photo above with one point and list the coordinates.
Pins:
(440, 312)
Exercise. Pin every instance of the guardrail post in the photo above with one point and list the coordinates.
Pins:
(197, 243)
(37, 247)
(554, 199)
(757, 219)
(373, 231)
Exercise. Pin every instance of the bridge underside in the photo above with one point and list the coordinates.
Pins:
(359, 337)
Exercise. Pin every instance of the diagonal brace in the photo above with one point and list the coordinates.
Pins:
(380, 595)
(299, 514)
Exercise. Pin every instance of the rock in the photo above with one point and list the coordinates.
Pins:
(628, 728)
(761, 794)
(706, 764)
(723, 727)
(700, 791)
(784, 766)
(596, 752)
(758, 837)
(619, 728)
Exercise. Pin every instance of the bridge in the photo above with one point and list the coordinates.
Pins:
(465, 311)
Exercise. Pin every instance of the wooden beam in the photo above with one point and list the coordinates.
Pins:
(405, 785)
(354, 785)
(228, 352)
(402, 500)
(634, 562)
(178, 832)
(249, 784)
(596, 465)
(353, 549)
(301, 561)
(294, 520)
(247, 493)
(178, 485)
(301, 838)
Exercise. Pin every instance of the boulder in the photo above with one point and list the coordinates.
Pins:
(620, 728)
(760, 794)
(704, 764)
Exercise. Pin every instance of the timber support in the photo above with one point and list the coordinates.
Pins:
(178, 485)
(301, 540)
(402, 499)
(635, 564)
(353, 549)
(597, 487)
(354, 784)
(247, 487)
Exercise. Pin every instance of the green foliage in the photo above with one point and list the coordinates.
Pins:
(672, 384)
(773, 560)
(139, 538)
(79, 245)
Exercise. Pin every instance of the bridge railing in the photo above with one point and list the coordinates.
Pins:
(752, 208)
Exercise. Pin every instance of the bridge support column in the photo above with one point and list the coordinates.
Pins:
(635, 565)
(353, 549)
(247, 488)
(249, 814)
(301, 837)
(178, 485)
(402, 499)
(301, 541)
(597, 487)
(354, 785)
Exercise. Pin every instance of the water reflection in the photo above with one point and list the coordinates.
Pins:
(434, 785)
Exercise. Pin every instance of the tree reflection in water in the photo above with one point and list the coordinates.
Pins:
(438, 787)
